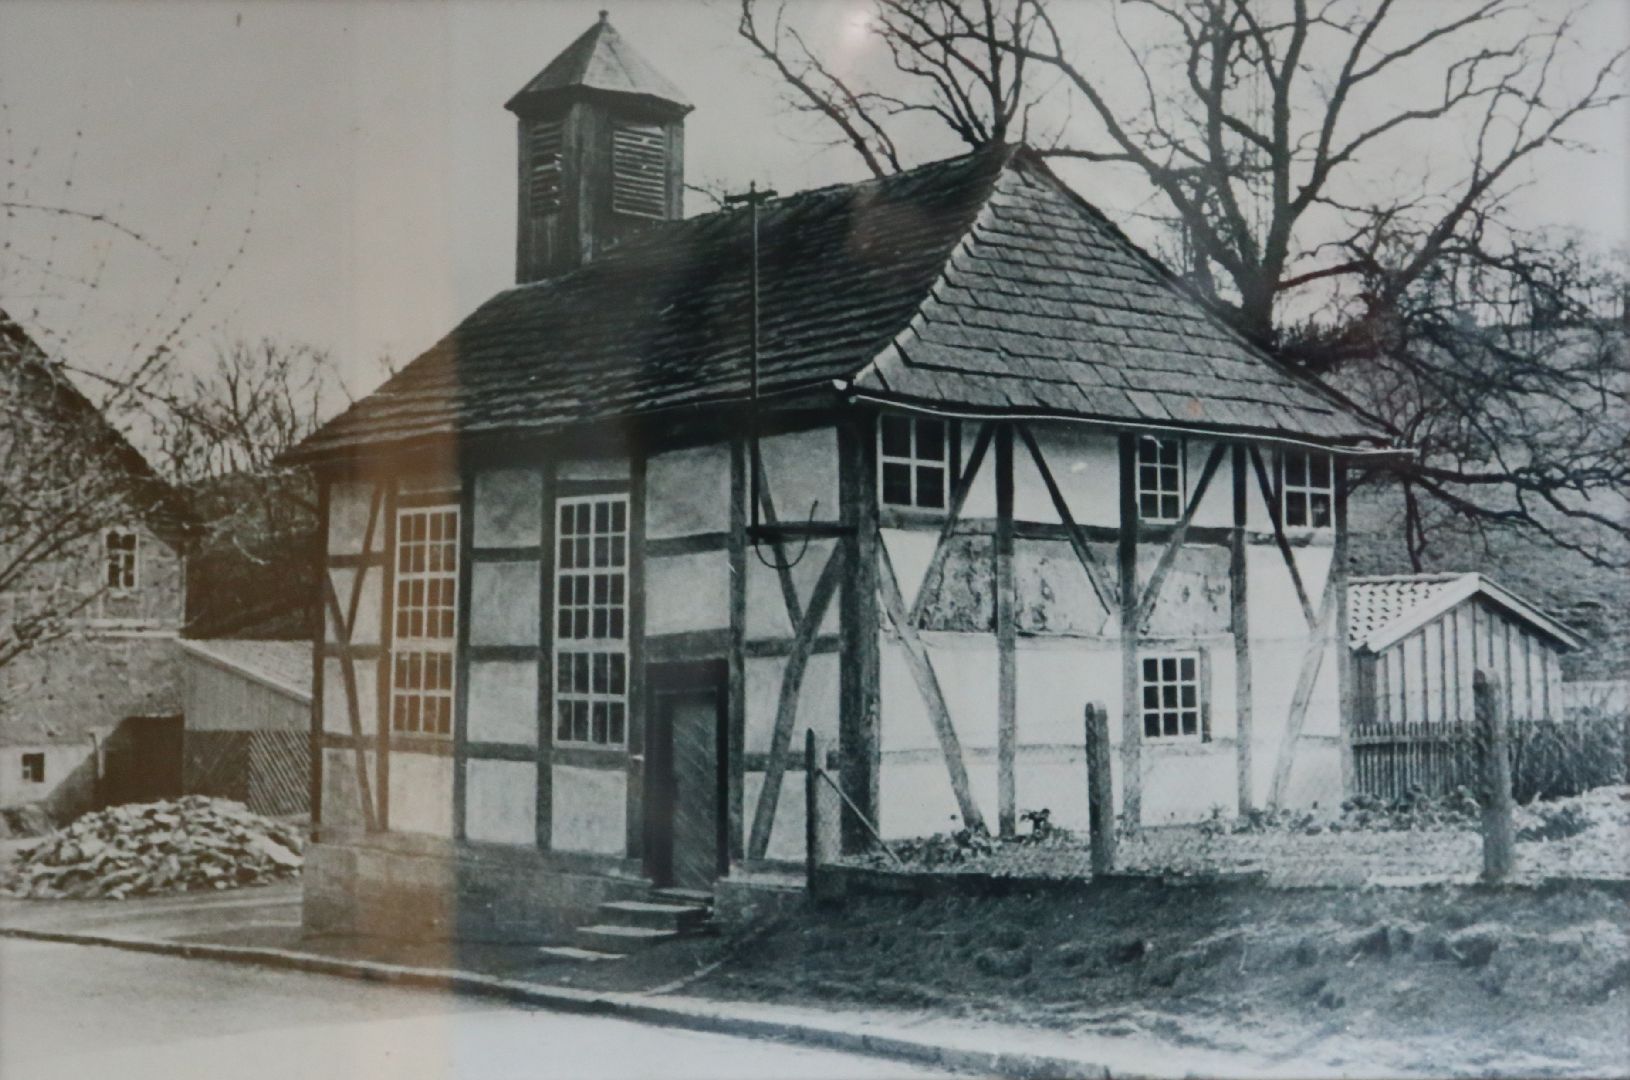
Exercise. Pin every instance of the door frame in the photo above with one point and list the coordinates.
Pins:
(666, 681)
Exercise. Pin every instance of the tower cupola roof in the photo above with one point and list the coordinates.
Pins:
(601, 61)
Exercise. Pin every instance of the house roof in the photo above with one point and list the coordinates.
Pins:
(27, 370)
(282, 666)
(1381, 611)
(978, 285)
(601, 60)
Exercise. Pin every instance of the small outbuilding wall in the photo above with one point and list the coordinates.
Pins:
(248, 717)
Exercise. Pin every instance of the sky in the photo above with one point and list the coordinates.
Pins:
(342, 174)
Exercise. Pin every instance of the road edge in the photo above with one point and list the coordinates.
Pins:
(716, 1017)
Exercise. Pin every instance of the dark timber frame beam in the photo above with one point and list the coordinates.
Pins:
(859, 745)
(1168, 556)
(1131, 712)
(1007, 671)
(1272, 502)
(959, 498)
(1097, 577)
(1239, 624)
(344, 622)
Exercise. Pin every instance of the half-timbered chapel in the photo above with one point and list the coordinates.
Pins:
(924, 464)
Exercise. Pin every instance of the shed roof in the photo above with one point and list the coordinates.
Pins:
(1381, 611)
(282, 666)
(979, 285)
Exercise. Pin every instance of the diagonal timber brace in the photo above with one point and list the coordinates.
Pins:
(922, 672)
(1168, 557)
(786, 712)
(1312, 660)
(959, 498)
(1279, 536)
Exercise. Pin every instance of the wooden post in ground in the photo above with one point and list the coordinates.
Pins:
(1100, 795)
(1498, 839)
(812, 830)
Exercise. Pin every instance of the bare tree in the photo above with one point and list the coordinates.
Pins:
(1272, 137)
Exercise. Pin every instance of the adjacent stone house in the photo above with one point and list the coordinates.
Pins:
(923, 464)
(90, 714)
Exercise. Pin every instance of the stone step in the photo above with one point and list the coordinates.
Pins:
(575, 955)
(616, 937)
(657, 916)
(672, 894)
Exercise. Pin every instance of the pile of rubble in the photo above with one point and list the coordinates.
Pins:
(162, 847)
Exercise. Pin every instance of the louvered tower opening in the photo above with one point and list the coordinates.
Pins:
(544, 153)
(639, 170)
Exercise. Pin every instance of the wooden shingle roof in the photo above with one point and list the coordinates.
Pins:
(1381, 611)
(979, 285)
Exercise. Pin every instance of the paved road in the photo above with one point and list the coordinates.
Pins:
(78, 1011)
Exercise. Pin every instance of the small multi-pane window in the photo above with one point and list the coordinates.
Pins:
(1307, 482)
(591, 620)
(426, 620)
(34, 768)
(120, 548)
(1160, 479)
(1171, 695)
(639, 170)
(544, 147)
(912, 454)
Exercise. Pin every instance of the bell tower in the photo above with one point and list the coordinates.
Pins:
(601, 152)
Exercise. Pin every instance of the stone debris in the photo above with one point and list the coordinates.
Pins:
(147, 849)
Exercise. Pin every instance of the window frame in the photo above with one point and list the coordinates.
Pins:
(1176, 681)
(33, 766)
(412, 654)
(949, 463)
(604, 684)
(132, 554)
(1307, 489)
(1161, 492)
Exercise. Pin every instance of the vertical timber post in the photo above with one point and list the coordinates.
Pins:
(1127, 558)
(859, 714)
(736, 686)
(1007, 684)
(319, 660)
(1345, 699)
(1100, 793)
(812, 830)
(1498, 839)
(1239, 623)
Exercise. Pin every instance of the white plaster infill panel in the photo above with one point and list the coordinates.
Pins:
(1085, 464)
(503, 702)
(508, 508)
(500, 801)
(504, 604)
(688, 492)
(589, 810)
(336, 709)
(366, 629)
(910, 551)
(817, 700)
(687, 592)
(766, 604)
(801, 470)
(341, 798)
(421, 795)
(348, 506)
(607, 468)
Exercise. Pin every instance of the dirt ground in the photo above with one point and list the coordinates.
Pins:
(1438, 981)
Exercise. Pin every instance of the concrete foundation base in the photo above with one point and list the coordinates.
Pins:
(426, 890)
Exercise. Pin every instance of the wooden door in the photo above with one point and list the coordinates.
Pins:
(686, 748)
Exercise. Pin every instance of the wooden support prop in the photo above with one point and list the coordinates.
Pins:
(1007, 665)
(786, 711)
(1279, 535)
(953, 514)
(812, 831)
(1239, 624)
(783, 568)
(1100, 792)
(1499, 840)
(1174, 544)
(1126, 556)
(1097, 577)
(1324, 627)
(928, 685)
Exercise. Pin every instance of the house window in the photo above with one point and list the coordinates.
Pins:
(912, 454)
(639, 170)
(1307, 481)
(426, 620)
(1160, 479)
(591, 620)
(544, 141)
(1171, 695)
(120, 559)
(33, 768)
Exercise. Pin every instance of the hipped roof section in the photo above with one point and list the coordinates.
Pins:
(979, 285)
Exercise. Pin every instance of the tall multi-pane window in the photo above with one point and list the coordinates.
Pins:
(591, 620)
(1307, 483)
(426, 621)
(119, 556)
(1160, 479)
(912, 456)
(1171, 695)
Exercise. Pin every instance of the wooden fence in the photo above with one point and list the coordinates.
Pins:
(266, 770)
(1391, 760)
